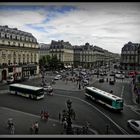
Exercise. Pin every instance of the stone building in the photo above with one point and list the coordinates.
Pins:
(130, 56)
(89, 56)
(63, 51)
(18, 53)
(44, 49)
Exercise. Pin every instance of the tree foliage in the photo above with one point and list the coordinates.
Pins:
(51, 63)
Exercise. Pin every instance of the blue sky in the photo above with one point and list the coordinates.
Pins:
(107, 25)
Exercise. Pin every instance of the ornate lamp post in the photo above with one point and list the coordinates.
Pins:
(69, 122)
(43, 75)
(79, 80)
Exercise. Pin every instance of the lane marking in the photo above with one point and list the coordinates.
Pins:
(122, 130)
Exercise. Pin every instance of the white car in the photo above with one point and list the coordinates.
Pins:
(134, 124)
(10, 79)
(119, 76)
(48, 89)
(85, 82)
(57, 77)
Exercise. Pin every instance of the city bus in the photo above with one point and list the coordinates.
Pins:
(107, 99)
(31, 92)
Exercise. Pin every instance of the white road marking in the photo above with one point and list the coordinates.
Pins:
(122, 130)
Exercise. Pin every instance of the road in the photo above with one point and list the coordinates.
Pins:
(86, 110)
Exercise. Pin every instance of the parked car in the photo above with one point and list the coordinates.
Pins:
(134, 124)
(101, 80)
(25, 78)
(57, 77)
(112, 73)
(10, 79)
(111, 82)
(18, 79)
(119, 76)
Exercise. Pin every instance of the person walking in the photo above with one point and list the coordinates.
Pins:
(59, 116)
(32, 128)
(12, 131)
(36, 127)
(65, 123)
(42, 114)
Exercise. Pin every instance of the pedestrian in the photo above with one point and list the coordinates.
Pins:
(111, 91)
(83, 130)
(9, 122)
(12, 129)
(42, 114)
(36, 127)
(59, 116)
(65, 123)
(106, 79)
(32, 129)
(46, 115)
(74, 115)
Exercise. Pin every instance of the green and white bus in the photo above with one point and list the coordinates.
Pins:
(108, 99)
(31, 92)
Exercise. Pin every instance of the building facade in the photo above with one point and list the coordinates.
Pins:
(44, 49)
(18, 53)
(130, 56)
(89, 56)
(63, 51)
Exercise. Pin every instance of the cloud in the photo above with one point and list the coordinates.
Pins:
(107, 25)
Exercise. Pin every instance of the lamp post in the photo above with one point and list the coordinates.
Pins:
(79, 79)
(43, 75)
(69, 122)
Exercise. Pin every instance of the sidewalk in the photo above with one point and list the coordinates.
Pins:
(23, 121)
(137, 106)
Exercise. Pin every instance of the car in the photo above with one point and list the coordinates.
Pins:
(18, 79)
(111, 82)
(25, 78)
(10, 79)
(119, 76)
(134, 124)
(48, 89)
(85, 82)
(57, 77)
(112, 73)
(101, 80)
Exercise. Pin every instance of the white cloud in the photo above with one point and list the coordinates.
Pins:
(20, 18)
(109, 26)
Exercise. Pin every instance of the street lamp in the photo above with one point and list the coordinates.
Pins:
(43, 75)
(79, 79)
(69, 122)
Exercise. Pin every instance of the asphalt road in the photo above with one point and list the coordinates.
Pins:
(86, 110)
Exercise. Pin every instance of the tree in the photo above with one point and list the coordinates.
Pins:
(51, 63)
(42, 61)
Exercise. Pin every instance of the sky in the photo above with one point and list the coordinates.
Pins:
(108, 25)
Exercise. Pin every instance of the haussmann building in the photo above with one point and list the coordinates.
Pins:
(18, 53)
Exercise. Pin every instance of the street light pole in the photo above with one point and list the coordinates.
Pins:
(79, 80)
(43, 76)
(69, 122)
